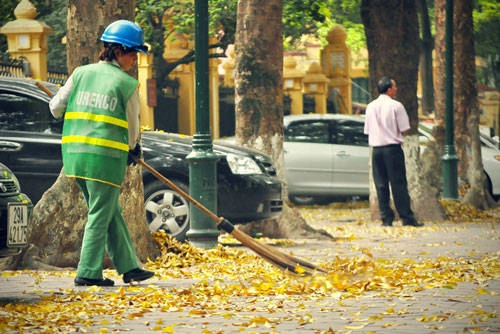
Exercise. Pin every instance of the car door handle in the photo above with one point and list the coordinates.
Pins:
(342, 154)
(9, 146)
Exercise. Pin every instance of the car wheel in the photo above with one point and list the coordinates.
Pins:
(489, 186)
(167, 210)
(303, 200)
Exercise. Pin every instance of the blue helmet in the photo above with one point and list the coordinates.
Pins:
(126, 33)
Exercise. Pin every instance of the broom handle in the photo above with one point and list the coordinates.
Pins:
(44, 89)
(172, 185)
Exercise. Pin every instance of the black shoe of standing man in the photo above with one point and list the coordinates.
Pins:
(387, 222)
(412, 222)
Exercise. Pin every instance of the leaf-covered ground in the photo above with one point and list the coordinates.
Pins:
(379, 279)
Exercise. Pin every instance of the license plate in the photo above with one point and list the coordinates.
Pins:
(17, 225)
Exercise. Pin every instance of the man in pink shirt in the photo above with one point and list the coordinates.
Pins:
(386, 123)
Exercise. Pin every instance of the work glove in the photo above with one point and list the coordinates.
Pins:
(134, 154)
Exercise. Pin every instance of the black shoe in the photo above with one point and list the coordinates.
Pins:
(413, 223)
(387, 222)
(137, 275)
(81, 281)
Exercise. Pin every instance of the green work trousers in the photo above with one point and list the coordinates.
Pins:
(105, 230)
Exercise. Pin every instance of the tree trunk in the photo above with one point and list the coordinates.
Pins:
(470, 166)
(392, 40)
(85, 25)
(426, 77)
(431, 157)
(466, 126)
(58, 219)
(259, 97)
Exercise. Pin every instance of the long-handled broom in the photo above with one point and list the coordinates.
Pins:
(272, 255)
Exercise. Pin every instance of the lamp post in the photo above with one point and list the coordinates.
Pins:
(202, 160)
(449, 159)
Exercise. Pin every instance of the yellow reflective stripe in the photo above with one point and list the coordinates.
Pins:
(96, 118)
(95, 142)
(92, 179)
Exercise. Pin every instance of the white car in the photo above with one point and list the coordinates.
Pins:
(490, 154)
(326, 156)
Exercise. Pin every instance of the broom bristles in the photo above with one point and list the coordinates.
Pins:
(274, 256)
(301, 262)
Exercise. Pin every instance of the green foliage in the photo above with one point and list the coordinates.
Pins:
(6, 14)
(56, 54)
(487, 28)
(181, 15)
(43, 7)
(303, 17)
(7, 10)
(50, 12)
(487, 40)
(347, 13)
(299, 18)
(223, 18)
(320, 19)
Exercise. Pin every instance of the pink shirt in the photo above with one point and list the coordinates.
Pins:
(386, 120)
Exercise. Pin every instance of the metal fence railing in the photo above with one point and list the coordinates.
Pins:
(57, 78)
(12, 67)
(20, 68)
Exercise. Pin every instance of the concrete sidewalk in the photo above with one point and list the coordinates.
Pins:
(469, 305)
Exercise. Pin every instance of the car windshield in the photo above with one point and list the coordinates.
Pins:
(308, 132)
(24, 113)
(351, 133)
(340, 132)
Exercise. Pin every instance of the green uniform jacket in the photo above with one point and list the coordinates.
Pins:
(95, 133)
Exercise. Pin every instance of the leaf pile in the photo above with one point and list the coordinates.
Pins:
(459, 213)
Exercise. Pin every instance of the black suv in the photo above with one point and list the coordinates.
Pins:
(15, 208)
(30, 139)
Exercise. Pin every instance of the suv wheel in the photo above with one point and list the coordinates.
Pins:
(167, 210)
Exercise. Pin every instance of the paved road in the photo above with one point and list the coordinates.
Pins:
(469, 304)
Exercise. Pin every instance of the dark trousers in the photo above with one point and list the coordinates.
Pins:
(388, 166)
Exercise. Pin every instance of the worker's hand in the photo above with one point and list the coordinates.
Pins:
(134, 154)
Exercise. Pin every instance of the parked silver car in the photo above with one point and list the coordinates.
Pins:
(326, 156)
(490, 154)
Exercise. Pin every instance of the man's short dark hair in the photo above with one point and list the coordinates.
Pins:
(384, 84)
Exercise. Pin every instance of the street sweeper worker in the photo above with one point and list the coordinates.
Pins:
(100, 105)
